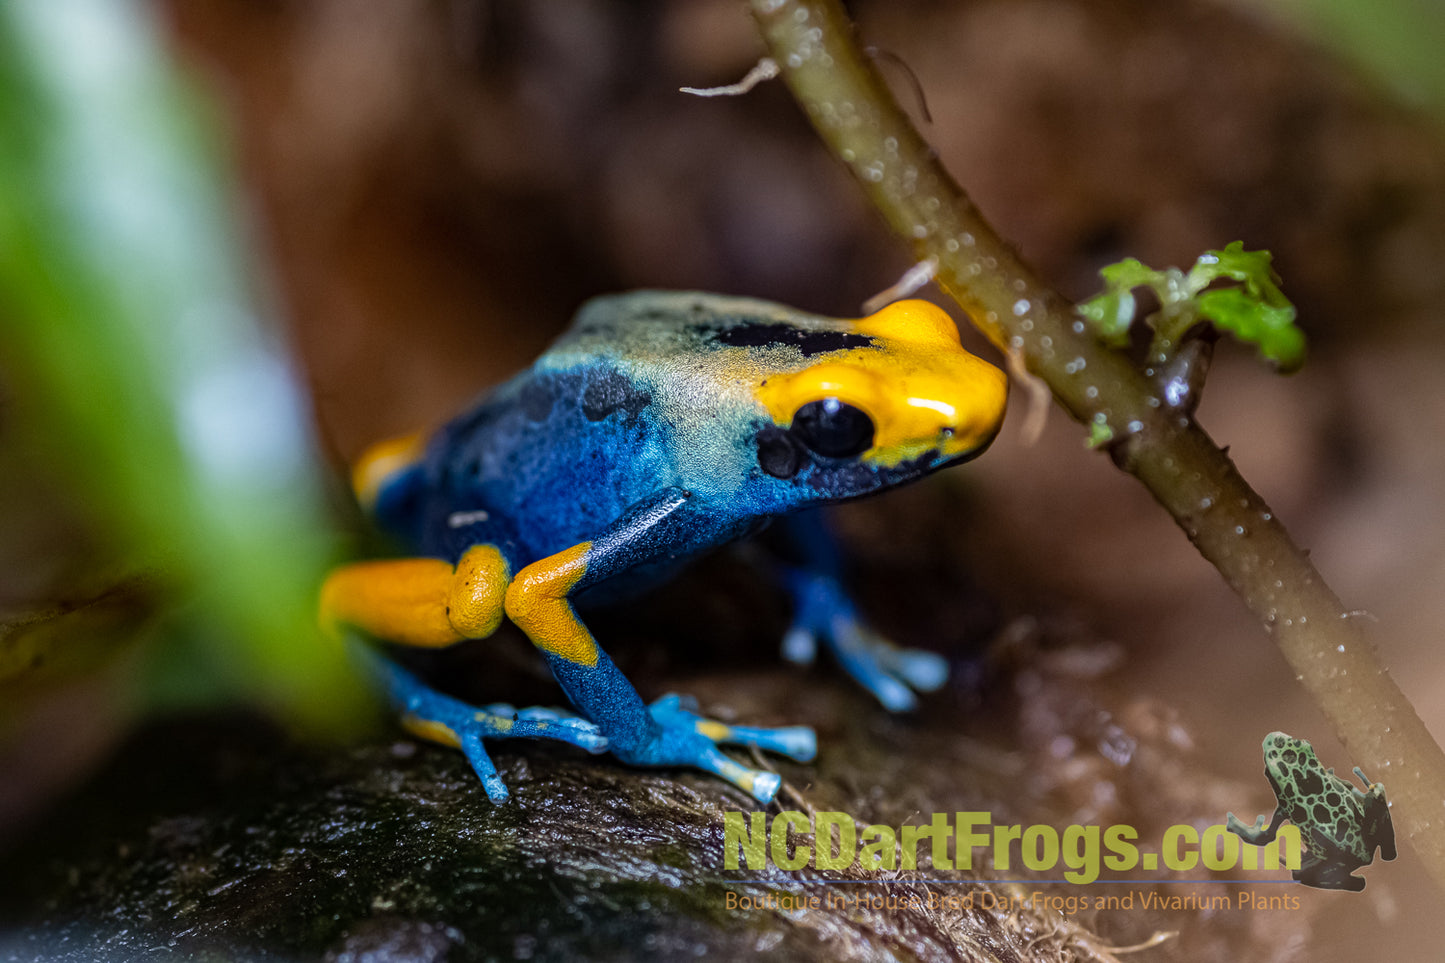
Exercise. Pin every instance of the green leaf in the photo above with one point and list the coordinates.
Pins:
(1099, 434)
(1254, 309)
(1269, 327)
(1254, 269)
(1111, 314)
(1112, 311)
(1130, 273)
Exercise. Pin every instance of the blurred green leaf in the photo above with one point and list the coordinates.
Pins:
(1399, 41)
(129, 322)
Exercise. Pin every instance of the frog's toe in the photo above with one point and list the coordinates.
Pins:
(795, 742)
(924, 671)
(889, 672)
(444, 719)
(501, 721)
(800, 645)
(1243, 830)
(892, 674)
(505, 722)
(687, 738)
(482, 765)
(758, 783)
(441, 718)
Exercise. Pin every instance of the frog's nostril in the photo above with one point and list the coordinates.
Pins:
(947, 431)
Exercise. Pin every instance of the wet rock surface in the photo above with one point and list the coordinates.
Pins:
(217, 838)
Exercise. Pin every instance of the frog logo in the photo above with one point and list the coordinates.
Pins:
(1340, 825)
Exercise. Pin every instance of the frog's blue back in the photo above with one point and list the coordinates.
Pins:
(548, 460)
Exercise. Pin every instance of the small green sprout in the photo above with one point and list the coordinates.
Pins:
(1255, 310)
(1100, 434)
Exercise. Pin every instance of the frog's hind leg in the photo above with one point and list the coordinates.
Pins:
(383, 465)
(424, 602)
(1327, 866)
(430, 603)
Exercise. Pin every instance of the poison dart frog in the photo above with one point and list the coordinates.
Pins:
(1339, 825)
(659, 426)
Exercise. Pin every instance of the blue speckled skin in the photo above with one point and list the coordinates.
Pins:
(641, 431)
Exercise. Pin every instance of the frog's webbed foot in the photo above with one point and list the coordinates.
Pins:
(441, 718)
(681, 737)
(825, 612)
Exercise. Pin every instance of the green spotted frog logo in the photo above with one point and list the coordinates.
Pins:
(1340, 825)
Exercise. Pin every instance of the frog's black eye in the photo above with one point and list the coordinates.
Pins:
(833, 429)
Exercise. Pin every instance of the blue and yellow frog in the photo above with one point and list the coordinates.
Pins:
(659, 426)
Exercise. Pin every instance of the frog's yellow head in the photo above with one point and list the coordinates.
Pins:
(832, 407)
(905, 390)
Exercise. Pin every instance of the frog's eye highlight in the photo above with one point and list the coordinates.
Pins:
(833, 429)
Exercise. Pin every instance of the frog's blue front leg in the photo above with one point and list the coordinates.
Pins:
(824, 611)
(440, 718)
(664, 734)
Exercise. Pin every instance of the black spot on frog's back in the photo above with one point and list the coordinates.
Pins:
(807, 342)
(1308, 781)
(609, 390)
(537, 398)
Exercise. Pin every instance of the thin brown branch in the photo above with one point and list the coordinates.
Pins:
(1230, 525)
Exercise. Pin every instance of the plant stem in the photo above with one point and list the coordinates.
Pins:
(1164, 448)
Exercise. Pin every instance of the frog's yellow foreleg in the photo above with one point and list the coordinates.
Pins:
(537, 604)
(664, 733)
(419, 601)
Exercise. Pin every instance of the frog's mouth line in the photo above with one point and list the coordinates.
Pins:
(854, 479)
(936, 458)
